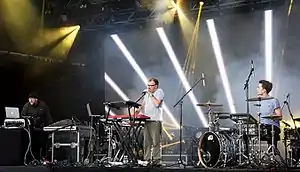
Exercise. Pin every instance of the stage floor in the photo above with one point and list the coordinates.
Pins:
(113, 169)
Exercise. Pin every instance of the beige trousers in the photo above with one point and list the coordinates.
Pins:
(152, 140)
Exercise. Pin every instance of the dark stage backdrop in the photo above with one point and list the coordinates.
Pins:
(66, 87)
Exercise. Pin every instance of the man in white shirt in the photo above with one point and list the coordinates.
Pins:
(151, 107)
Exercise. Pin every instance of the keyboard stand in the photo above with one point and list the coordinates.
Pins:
(127, 134)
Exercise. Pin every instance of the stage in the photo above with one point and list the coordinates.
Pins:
(113, 169)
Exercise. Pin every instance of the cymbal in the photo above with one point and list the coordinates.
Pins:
(271, 117)
(211, 104)
(255, 99)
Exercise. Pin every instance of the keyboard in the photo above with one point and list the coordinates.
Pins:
(126, 116)
(84, 130)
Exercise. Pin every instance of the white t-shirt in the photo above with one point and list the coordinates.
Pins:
(150, 109)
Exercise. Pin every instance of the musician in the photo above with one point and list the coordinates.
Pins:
(39, 115)
(151, 107)
(269, 107)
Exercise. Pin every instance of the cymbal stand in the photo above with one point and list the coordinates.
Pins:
(285, 137)
(210, 120)
(285, 145)
(240, 138)
(259, 133)
(272, 147)
(252, 157)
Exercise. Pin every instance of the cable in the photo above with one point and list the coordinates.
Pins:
(90, 140)
(29, 148)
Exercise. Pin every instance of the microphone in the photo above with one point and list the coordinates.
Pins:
(252, 66)
(142, 95)
(288, 96)
(203, 79)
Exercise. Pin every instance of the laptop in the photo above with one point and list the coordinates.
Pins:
(12, 112)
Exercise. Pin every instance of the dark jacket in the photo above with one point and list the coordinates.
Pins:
(39, 113)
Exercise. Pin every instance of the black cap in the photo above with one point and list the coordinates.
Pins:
(33, 95)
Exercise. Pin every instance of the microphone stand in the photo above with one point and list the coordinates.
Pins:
(180, 103)
(246, 88)
(296, 129)
(135, 143)
(290, 112)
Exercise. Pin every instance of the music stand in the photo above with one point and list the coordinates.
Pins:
(180, 103)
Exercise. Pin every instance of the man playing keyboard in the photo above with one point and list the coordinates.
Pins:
(40, 116)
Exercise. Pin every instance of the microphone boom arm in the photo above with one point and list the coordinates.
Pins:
(195, 84)
(143, 94)
(246, 85)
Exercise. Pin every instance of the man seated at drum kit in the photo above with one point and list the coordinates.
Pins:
(270, 113)
(219, 148)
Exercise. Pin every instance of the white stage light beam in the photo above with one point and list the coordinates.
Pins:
(220, 62)
(268, 44)
(115, 87)
(173, 58)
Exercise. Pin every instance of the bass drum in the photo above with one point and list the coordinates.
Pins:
(216, 149)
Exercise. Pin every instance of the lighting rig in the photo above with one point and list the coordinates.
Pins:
(101, 14)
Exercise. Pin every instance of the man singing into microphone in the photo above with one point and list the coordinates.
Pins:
(151, 107)
(269, 107)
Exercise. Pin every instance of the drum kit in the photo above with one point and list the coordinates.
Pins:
(229, 148)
